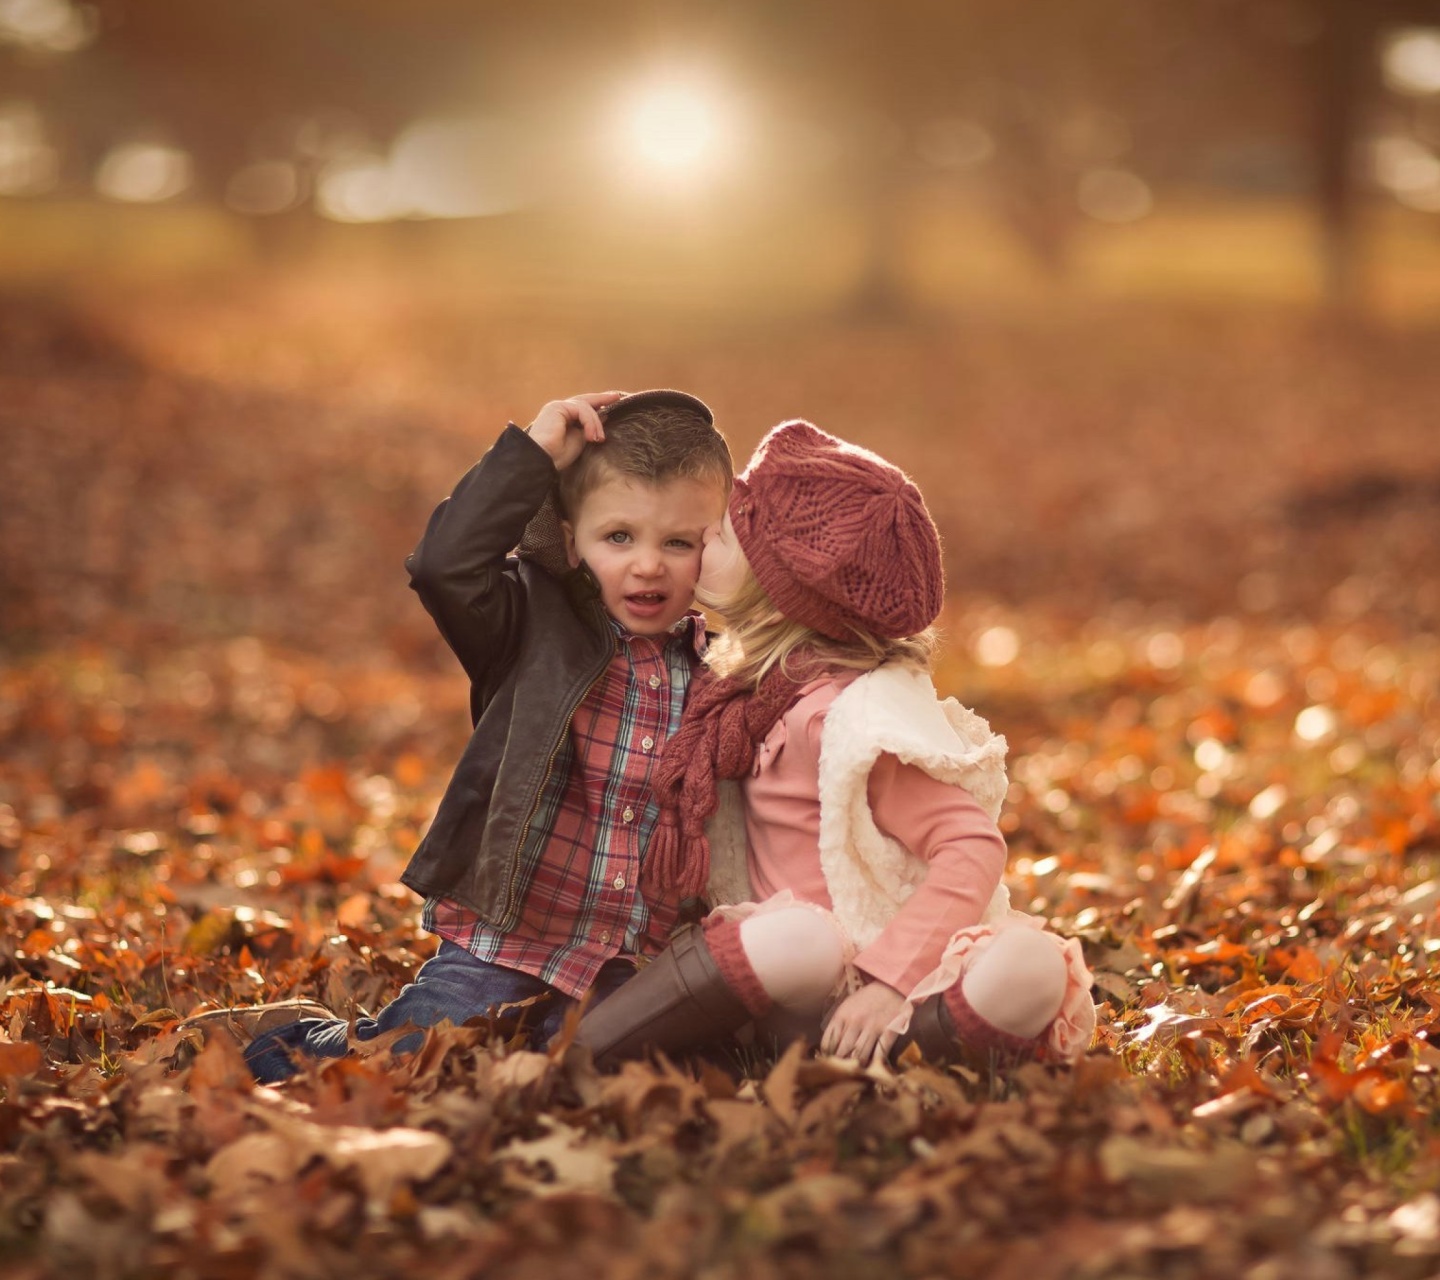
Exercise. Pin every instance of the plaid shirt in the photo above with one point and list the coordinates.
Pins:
(580, 864)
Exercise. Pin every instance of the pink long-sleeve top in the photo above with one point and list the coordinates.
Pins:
(941, 823)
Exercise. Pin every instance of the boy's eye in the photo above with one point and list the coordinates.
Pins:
(682, 544)
(619, 537)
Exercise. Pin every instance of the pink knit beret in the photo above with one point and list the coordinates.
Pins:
(837, 536)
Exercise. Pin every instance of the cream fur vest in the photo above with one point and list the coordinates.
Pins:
(892, 709)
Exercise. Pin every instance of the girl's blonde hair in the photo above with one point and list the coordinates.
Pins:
(758, 637)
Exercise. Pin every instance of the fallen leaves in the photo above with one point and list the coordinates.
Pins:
(210, 799)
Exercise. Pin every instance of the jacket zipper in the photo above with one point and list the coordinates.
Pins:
(519, 849)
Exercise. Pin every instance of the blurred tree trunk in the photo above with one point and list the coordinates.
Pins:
(1344, 53)
(879, 290)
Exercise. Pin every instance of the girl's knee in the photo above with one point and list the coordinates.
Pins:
(796, 953)
(1018, 981)
(1029, 955)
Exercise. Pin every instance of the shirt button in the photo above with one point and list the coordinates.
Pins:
(605, 937)
(654, 682)
(647, 743)
(619, 882)
(628, 815)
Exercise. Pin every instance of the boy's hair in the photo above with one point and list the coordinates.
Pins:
(650, 442)
(758, 637)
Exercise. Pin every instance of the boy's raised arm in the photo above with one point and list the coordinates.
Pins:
(564, 427)
(458, 567)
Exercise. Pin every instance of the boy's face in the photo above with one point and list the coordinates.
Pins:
(642, 541)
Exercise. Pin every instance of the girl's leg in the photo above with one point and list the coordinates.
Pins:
(797, 955)
(1001, 1006)
(1017, 983)
(710, 982)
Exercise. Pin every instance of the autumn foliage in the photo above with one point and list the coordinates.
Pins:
(1193, 582)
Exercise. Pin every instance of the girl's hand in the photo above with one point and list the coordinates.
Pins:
(564, 427)
(854, 1028)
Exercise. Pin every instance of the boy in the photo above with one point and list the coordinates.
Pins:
(579, 650)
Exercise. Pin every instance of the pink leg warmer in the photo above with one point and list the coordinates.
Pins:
(728, 952)
(984, 1037)
(1006, 1000)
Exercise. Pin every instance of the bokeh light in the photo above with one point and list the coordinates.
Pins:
(675, 126)
(47, 26)
(1315, 723)
(996, 647)
(1409, 170)
(1114, 195)
(356, 188)
(1410, 61)
(445, 167)
(438, 167)
(143, 173)
(29, 164)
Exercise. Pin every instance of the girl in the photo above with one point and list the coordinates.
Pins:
(861, 875)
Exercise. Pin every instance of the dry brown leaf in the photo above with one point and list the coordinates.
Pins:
(383, 1159)
(738, 1123)
(21, 1059)
(565, 1159)
(780, 1084)
(254, 1163)
(1168, 1174)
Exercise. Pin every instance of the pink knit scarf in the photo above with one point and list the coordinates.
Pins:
(725, 719)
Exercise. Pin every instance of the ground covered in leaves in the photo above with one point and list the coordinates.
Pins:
(1205, 632)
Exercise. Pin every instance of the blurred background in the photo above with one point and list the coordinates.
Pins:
(1145, 294)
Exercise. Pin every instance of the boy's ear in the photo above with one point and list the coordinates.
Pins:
(571, 554)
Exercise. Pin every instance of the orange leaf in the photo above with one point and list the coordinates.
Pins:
(37, 942)
(19, 1059)
(410, 771)
(1217, 952)
(1305, 967)
(1379, 1096)
(1397, 835)
(1244, 1076)
(1262, 1000)
(354, 911)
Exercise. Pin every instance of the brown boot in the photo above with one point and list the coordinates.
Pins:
(243, 1023)
(934, 1032)
(677, 1002)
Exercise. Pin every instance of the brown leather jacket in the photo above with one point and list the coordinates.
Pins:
(532, 643)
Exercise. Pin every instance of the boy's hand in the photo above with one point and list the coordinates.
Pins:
(564, 427)
(854, 1028)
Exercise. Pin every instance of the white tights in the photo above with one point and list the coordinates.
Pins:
(1016, 982)
(797, 955)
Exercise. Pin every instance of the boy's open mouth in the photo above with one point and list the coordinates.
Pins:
(646, 601)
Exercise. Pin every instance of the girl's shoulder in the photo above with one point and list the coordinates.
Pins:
(899, 701)
(806, 716)
(895, 710)
(823, 690)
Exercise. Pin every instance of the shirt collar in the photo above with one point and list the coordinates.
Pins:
(690, 628)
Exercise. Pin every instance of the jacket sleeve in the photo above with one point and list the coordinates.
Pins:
(965, 853)
(460, 568)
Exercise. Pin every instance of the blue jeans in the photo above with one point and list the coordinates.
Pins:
(452, 984)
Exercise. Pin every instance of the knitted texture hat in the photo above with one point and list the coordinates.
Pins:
(838, 537)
